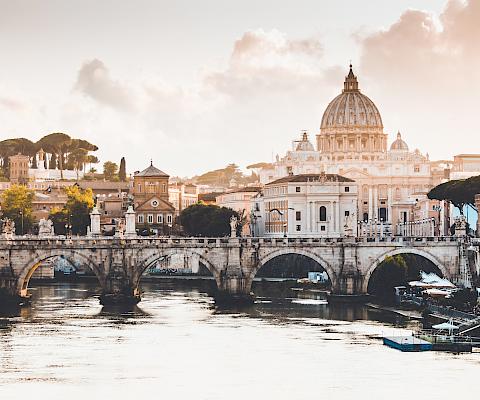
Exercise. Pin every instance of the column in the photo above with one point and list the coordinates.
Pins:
(389, 203)
(370, 203)
(375, 202)
(339, 222)
(330, 219)
(130, 222)
(95, 222)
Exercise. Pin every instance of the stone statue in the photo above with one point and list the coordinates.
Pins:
(233, 226)
(121, 228)
(348, 226)
(45, 227)
(8, 229)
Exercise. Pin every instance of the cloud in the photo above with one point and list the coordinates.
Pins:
(425, 76)
(270, 63)
(11, 104)
(94, 81)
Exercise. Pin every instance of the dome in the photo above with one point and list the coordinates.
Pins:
(399, 144)
(351, 109)
(304, 144)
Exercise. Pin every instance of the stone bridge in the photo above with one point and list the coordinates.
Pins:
(119, 263)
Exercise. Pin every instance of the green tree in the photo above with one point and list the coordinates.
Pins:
(109, 170)
(122, 173)
(78, 158)
(459, 192)
(56, 143)
(76, 211)
(17, 206)
(91, 159)
(207, 220)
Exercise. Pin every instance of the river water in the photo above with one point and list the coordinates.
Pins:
(177, 344)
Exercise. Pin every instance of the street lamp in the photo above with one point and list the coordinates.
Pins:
(21, 214)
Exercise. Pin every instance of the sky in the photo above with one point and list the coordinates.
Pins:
(196, 85)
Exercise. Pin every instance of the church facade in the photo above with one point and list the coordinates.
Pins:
(390, 180)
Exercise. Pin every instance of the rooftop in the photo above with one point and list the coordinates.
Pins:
(151, 171)
(311, 178)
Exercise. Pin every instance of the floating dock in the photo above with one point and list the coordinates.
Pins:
(407, 343)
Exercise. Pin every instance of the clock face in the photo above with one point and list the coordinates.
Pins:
(154, 203)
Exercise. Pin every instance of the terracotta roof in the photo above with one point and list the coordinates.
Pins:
(311, 178)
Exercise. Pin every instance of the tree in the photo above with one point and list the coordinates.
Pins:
(122, 173)
(56, 143)
(17, 206)
(76, 211)
(109, 170)
(207, 220)
(458, 192)
(91, 159)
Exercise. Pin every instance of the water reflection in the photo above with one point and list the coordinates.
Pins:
(177, 343)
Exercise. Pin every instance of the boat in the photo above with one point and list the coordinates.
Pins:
(407, 343)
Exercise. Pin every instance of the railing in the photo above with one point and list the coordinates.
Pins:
(225, 241)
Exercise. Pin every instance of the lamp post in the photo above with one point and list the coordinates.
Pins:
(21, 215)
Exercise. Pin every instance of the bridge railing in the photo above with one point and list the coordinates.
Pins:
(218, 242)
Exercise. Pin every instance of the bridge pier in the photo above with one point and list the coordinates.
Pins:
(118, 289)
(234, 287)
(9, 294)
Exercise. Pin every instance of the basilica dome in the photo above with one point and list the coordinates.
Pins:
(399, 144)
(351, 109)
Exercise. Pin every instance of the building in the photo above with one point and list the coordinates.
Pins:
(322, 205)
(353, 144)
(19, 169)
(182, 195)
(151, 200)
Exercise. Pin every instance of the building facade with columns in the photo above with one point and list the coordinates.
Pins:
(322, 205)
(352, 143)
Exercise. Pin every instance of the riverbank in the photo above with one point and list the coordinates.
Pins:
(410, 314)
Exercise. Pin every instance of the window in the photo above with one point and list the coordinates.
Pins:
(298, 215)
(347, 213)
(139, 186)
(365, 217)
(169, 218)
(150, 218)
(140, 218)
(159, 218)
(297, 189)
(323, 213)
(322, 228)
(298, 228)
(416, 168)
(347, 189)
(383, 214)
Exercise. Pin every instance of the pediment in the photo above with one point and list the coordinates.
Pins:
(353, 173)
(149, 205)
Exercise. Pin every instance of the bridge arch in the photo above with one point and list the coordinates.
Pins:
(403, 250)
(40, 256)
(302, 252)
(162, 253)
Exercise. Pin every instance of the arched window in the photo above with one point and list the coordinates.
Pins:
(323, 213)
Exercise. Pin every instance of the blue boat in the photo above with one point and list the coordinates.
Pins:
(407, 343)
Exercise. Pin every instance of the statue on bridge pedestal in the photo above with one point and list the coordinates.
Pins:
(8, 229)
(120, 231)
(233, 226)
(348, 227)
(45, 227)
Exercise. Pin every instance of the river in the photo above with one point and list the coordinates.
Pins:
(177, 344)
